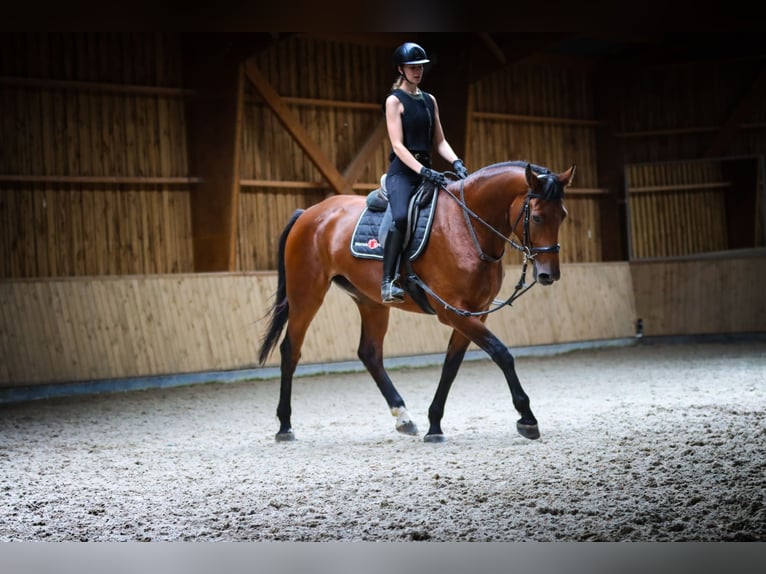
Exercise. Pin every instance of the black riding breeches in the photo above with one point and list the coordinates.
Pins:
(401, 183)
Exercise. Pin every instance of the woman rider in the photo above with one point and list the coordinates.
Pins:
(414, 128)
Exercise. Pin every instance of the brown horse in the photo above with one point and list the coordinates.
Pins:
(459, 273)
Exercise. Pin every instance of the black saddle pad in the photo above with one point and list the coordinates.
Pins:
(366, 241)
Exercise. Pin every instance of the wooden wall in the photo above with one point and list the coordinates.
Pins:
(335, 90)
(79, 329)
(93, 167)
(96, 252)
(94, 170)
(677, 110)
(717, 293)
(676, 125)
(94, 173)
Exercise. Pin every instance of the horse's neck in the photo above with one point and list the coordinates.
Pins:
(491, 198)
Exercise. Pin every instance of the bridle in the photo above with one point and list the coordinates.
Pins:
(525, 247)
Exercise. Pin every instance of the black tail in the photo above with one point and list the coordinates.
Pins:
(280, 308)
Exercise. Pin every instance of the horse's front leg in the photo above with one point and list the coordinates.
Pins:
(370, 352)
(527, 424)
(475, 329)
(452, 361)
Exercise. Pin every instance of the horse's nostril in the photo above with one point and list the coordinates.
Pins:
(544, 278)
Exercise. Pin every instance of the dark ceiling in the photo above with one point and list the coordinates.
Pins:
(500, 48)
(665, 47)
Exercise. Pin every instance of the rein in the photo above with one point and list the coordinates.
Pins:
(529, 252)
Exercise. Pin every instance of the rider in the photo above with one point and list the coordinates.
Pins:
(414, 128)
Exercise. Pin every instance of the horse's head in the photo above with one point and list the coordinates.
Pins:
(539, 219)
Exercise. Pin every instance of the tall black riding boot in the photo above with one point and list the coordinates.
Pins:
(392, 249)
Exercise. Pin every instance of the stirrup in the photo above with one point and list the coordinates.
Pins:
(391, 293)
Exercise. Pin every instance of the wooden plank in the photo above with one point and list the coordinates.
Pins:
(298, 185)
(103, 179)
(702, 186)
(520, 118)
(326, 103)
(84, 86)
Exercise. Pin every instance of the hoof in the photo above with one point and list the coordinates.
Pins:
(528, 431)
(409, 428)
(434, 438)
(285, 436)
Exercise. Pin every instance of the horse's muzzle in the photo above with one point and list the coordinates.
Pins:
(544, 275)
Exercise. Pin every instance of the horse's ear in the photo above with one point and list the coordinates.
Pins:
(531, 179)
(566, 178)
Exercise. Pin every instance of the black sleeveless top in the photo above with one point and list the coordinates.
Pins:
(417, 121)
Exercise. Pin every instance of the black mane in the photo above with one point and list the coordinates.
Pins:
(538, 169)
(552, 190)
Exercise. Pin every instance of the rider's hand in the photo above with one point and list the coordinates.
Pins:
(459, 168)
(435, 177)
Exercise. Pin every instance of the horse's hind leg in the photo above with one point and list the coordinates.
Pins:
(452, 361)
(370, 352)
(284, 410)
(301, 315)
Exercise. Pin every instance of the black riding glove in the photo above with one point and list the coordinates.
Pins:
(459, 168)
(435, 177)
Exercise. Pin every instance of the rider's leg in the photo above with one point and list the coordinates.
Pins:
(392, 249)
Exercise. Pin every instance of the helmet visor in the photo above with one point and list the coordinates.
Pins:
(415, 62)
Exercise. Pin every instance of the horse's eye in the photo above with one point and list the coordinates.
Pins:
(537, 219)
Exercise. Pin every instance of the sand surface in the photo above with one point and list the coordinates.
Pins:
(648, 442)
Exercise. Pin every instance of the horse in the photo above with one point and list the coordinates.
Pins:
(456, 277)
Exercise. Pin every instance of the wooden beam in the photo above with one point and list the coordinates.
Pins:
(98, 179)
(214, 119)
(494, 49)
(298, 132)
(519, 118)
(687, 131)
(613, 206)
(314, 102)
(680, 187)
(469, 117)
(448, 81)
(94, 86)
(332, 104)
(754, 96)
(357, 165)
(303, 185)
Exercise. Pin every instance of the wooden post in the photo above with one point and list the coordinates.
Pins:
(612, 205)
(447, 79)
(214, 120)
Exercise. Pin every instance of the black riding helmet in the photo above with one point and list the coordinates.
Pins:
(409, 53)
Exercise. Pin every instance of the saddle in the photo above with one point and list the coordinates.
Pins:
(370, 231)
